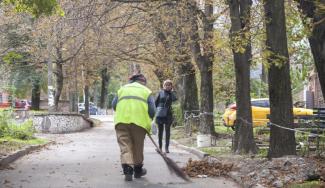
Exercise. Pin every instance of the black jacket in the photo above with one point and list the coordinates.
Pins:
(165, 99)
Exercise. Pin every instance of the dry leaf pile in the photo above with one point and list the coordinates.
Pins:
(197, 168)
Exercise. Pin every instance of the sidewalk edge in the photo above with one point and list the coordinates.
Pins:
(198, 153)
(20, 153)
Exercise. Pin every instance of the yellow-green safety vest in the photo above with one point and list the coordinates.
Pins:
(132, 106)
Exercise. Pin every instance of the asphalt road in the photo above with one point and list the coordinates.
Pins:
(90, 159)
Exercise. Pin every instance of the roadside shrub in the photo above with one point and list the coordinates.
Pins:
(177, 114)
(9, 128)
(24, 131)
(218, 119)
(5, 120)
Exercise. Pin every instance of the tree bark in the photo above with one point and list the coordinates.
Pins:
(240, 17)
(86, 91)
(264, 74)
(188, 80)
(103, 93)
(73, 96)
(317, 37)
(36, 94)
(73, 100)
(206, 96)
(187, 91)
(50, 88)
(160, 75)
(282, 141)
(205, 63)
(59, 84)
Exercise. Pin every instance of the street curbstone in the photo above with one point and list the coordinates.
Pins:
(198, 153)
(7, 159)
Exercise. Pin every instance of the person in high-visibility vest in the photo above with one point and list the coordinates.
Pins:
(134, 108)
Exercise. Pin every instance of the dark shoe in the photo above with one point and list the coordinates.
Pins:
(139, 171)
(167, 150)
(128, 177)
(128, 172)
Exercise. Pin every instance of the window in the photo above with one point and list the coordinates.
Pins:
(261, 103)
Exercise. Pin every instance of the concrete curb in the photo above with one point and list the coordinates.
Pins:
(192, 150)
(14, 156)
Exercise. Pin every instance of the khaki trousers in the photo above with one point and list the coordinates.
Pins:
(130, 138)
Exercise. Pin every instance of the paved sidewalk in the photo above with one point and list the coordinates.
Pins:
(91, 159)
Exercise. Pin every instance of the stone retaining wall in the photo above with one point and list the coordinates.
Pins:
(56, 123)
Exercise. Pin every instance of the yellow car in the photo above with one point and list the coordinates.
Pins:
(260, 111)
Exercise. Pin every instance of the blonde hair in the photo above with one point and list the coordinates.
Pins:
(167, 82)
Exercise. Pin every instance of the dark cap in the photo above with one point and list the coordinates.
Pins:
(138, 77)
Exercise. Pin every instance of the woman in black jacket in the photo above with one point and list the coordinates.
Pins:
(164, 115)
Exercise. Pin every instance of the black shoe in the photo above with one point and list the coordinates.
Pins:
(128, 172)
(139, 171)
(167, 150)
(128, 177)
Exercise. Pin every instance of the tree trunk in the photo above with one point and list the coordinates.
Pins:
(73, 100)
(104, 85)
(187, 91)
(282, 141)
(188, 79)
(240, 17)
(59, 84)
(74, 90)
(50, 88)
(264, 73)
(134, 68)
(36, 94)
(205, 64)
(317, 44)
(317, 37)
(160, 75)
(86, 91)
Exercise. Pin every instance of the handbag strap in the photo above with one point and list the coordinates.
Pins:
(166, 98)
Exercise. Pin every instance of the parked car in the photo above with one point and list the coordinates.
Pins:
(92, 108)
(260, 112)
(5, 105)
(23, 104)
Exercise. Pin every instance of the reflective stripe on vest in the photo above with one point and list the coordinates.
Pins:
(132, 97)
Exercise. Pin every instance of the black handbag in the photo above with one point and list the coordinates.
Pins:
(161, 112)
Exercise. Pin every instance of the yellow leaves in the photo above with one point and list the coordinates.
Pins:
(239, 41)
(36, 7)
(320, 8)
(274, 59)
(240, 50)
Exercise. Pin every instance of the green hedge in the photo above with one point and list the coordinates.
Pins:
(9, 128)
(5, 120)
(177, 114)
